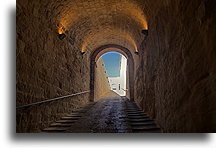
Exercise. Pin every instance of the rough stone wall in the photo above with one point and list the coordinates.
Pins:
(46, 68)
(102, 85)
(35, 118)
(175, 81)
(177, 66)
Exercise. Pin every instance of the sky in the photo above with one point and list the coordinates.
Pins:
(112, 63)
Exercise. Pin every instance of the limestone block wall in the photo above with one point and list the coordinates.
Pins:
(175, 76)
(35, 118)
(102, 86)
(175, 82)
(46, 67)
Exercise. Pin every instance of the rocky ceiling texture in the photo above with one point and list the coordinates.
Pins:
(94, 23)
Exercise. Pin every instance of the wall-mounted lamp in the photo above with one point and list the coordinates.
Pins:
(145, 32)
(136, 52)
(83, 52)
(61, 33)
(62, 36)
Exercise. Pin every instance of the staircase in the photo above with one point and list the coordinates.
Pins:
(134, 119)
(138, 120)
(67, 121)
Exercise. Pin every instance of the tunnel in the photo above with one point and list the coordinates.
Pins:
(170, 51)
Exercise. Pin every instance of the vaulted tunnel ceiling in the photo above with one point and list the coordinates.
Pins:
(99, 22)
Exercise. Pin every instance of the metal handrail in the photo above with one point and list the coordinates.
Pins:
(50, 100)
(124, 89)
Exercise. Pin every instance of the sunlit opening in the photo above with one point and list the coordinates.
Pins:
(115, 65)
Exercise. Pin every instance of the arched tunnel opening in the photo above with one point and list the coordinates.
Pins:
(170, 52)
(126, 69)
(111, 75)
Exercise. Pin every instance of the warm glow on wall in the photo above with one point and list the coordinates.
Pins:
(133, 43)
(60, 30)
(72, 13)
(122, 35)
(137, 15)
(134, 11)
(68, 16)
(73, 16)
(83, 46)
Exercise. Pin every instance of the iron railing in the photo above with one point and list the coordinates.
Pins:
(50, 100)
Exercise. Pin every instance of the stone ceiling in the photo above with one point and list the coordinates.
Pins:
(94, 23)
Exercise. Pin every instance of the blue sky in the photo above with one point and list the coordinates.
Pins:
(112, 63)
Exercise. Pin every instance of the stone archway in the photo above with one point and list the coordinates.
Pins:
(105, 48)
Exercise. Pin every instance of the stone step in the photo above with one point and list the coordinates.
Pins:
(132, 104)
(139, 120)
(141, 115)
(142, 123)
(138, 117)
(82, 110)
(87, 107)
(55, 129)
(92, 103)
(66, 121)
(70, 118)
(147, 131)
(145, 128)
(133, 110)
(72, 115)
(60, 125)
(122, 117)
(75, 113)
(136, 114)
(132, 107)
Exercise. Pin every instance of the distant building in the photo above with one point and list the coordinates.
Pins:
(118, 84)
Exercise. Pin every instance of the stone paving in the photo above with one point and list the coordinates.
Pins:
(106, 116)
(110, 114)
